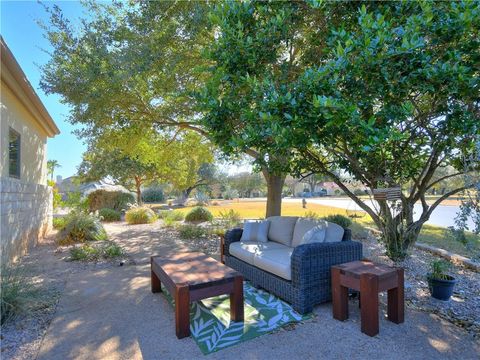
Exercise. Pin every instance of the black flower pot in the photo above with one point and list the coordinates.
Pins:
(441, 289)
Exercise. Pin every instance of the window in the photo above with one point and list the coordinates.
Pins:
(14, 153)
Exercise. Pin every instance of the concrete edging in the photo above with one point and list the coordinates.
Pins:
(454, 258)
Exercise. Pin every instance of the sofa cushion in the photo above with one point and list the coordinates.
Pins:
(255, 231)
(302, 226)
(246, 250)
(314, 235)
(281, 229)
(334, 232)
(276, 262)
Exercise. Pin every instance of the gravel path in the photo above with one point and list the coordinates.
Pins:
(23, 338)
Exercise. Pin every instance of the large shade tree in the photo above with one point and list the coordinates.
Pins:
(261, 49)
(397, 101)
(137, 65)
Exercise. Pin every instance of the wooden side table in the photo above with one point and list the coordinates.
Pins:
(193, 276)
(369, 278)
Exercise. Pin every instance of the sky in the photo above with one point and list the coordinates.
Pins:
(25, 39)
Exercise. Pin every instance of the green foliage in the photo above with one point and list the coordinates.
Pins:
(153, 195)
(170, 217)
(116, 200)
(439, 269)
(311, 215)
(80, 228)
(338, 219)
(108, 215)
(199, 214)
(231, 218)
(188, 231)
(75, 201)
(96, 251)
(57, 197)
(18, 294)
(140, 215)
(59, 222)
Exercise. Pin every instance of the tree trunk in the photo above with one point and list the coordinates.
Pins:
(138, 187)
(274, 193)
(186, 194)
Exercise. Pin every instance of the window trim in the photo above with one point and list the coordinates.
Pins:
(19, 154)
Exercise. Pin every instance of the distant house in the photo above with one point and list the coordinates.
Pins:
(330, 187)
(71, 184)
(25, 125)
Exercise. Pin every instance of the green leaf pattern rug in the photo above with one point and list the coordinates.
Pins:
(210, 324)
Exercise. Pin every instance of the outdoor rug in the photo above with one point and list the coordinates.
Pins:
(212, 330)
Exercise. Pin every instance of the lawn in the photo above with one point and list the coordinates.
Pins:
(431, 235)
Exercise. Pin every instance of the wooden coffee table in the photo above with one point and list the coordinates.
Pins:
(369, 278)
(192, 276)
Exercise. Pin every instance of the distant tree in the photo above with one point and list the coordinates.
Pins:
(245, 183)
(136, 159)
(51, 166)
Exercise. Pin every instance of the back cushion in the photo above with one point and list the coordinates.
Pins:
(281, 229)
(302, 226)
(334, 232)
(255, 231)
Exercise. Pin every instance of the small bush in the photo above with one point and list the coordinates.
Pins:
(456, 235)
(215, 203)
(175, 215)
(311, 215)
(199, 214)
(59, 222)
(140, 215)
(18, 295)
(230, 217)
(108, 215)
(191, 231)
(75, 201)
(116, 200)
(80, 227)
(201, 199)
(341, 220)
(153, 195)
(97, 251)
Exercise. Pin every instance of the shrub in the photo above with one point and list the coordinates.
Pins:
(175, 215)
(199, 214)
(341, 220)
(311, 215)
(153, 195)
(230, 217)
(18, 294)
(75, 201)
(97, 251)
(116, 200)
(108, 215)
(191, 231)
(59, 222)
(456, 235)
(140, 215)
(201, 199)
(81, 227)
(215, 203)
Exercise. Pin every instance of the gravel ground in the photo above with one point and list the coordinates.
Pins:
(21, 339)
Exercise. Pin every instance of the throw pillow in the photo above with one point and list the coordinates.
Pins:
(255, 231)
(314, 235)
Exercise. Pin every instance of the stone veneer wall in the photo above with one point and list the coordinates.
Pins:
(26, 212)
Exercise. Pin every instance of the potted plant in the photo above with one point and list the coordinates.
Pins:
(439, 282)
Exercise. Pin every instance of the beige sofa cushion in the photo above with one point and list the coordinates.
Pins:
(334, 232)
(302, 226)
(281, 229)
(246, 250)
(255, 231)
(277, 262)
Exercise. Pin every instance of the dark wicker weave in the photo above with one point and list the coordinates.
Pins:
(311, 282)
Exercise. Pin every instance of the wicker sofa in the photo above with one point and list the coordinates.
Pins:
(298, 273)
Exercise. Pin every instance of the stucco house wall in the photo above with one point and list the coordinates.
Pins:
(26, 201)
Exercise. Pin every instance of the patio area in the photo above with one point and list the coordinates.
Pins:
(108, 311)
